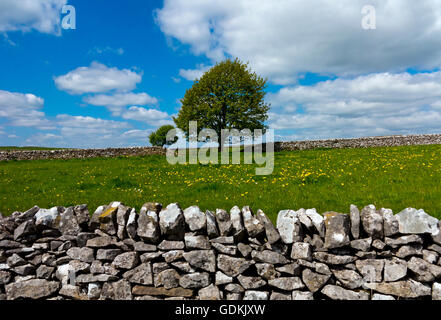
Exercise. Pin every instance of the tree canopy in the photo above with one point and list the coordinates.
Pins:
(158, 137)
(228, 96)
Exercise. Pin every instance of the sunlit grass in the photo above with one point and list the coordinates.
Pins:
(394, 177)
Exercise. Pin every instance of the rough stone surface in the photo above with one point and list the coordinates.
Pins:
(412, 221)
(372, 222)
(337, 230)
(172, 222)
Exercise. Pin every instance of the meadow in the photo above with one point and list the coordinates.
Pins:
(325, 179)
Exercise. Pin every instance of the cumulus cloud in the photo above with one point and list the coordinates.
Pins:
(193, 74)
(97, 78)
(284, 39)
(27, 15)
(152, 117)
(22, 109)
(375, 104)
(116, 102)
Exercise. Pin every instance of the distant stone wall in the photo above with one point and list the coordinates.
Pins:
(385, 141)
(78, 153)
(170, 253)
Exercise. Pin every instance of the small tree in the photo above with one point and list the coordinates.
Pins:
(158, 137)
(228, 96)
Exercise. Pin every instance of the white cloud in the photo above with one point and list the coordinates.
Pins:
(152, 117)
(284, 39)
(193, 74)
(116, 102)
(97, 78)
(27, 15)
(22, 109)
(376, 104)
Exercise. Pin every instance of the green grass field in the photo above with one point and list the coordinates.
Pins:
(394, 177)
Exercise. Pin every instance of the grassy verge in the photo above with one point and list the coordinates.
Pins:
(393, 177)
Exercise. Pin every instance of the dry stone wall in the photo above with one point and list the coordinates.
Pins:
(171, 253)
(384, 141)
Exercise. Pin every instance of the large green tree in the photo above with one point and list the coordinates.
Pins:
(228, 96)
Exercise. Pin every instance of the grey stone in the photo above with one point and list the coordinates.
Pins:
(47, 218)
(84, 254)
(122, 216)
(195, 218)
(141, 246)
(107, 219)
(251, 282)
(210, 292)
(234, 288)
(68, 223)
(377, 296)
(291, 268)
(142, 274)
(390, 222)
(33, 289)
(436, 291)
(127, 260)
(152, 291)
(430, 256)
(403, 289)
(268, 256)
(253, 226)
(394, 269)
(171, 245)
(302, 295)
(25, 229)
(101, 242)
(304, 219)
(168, 278)
(424, 271)
(287, 283)
(378, 244)
(411, 250)
(370, 269)
(314, 281)
(288, 226)
(25, 270)
(350, 279)
(255, 295)
(81, 240)
(333, 259)
(362, 244)
(231, 250)
(271, 232)
(236, 219)
(148, 222)
(87, 278)
(82, 214)
(222, 278)
(212, 230)
(395, 243)
(223, 240)
(193, 241)
(5, 277)
(301, 250)
(172, 222)
(132, 224)
(412, 221)
(173, 255)
(107, 254)
(280, 296)
(224, 222)
(44, 272)
(194, 280)
(232, 266)
(355, 221)
(15, 261)
(93, 291)
(203, 259)
(72, 292)
(372, 222)
(337, 230)
(267, 271)
(244, 249)
(317, 220)
(338, 293)
(184, 266)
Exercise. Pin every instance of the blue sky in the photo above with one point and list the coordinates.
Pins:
(121, 72)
